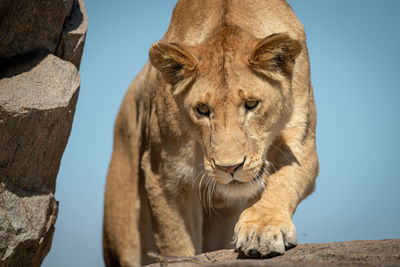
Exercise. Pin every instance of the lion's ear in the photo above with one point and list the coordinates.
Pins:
(172, 61)
(275, 53)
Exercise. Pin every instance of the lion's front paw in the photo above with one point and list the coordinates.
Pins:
(259, 236)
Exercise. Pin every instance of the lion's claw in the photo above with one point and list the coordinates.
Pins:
(264, 238)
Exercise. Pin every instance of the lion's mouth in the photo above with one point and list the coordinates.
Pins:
(256, 178)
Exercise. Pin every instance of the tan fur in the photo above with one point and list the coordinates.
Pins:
(183, 182)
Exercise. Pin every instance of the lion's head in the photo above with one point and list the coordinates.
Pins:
(235, 91)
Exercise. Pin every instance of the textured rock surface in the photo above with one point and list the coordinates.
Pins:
(29, 25)
(36, 112)
(41, 44)
(26, 225)
(73, 37)
(352, 253)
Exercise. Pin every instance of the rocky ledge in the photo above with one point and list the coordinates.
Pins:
(352, 253)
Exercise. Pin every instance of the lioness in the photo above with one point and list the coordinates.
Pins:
(215, 138)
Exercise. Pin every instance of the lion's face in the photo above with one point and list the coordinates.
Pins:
(235, 92)
(236, 125)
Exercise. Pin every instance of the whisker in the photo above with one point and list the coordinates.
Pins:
(265, 170)
(206, 191)
(201, 180)
(280, 150)
(209, 197)
(197, 176)
(259, 180)
(272, 165)
(212, 192)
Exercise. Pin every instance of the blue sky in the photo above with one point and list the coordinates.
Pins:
(354, 56)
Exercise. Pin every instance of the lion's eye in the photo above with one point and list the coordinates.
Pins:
(203, 109)
(251, 104)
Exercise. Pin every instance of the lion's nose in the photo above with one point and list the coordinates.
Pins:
(229, 168)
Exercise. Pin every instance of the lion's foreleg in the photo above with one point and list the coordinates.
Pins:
(266, 227)
(170, 232)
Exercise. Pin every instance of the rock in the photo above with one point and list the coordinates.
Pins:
(37, 104)
(31, 25)
(73, 37)
(38, 95)
(26, 225)
(360, 252)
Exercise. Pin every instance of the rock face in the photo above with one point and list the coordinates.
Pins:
(27, 26)
(352, 253)
(73, 36)
(37, 109)
(41, 44)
